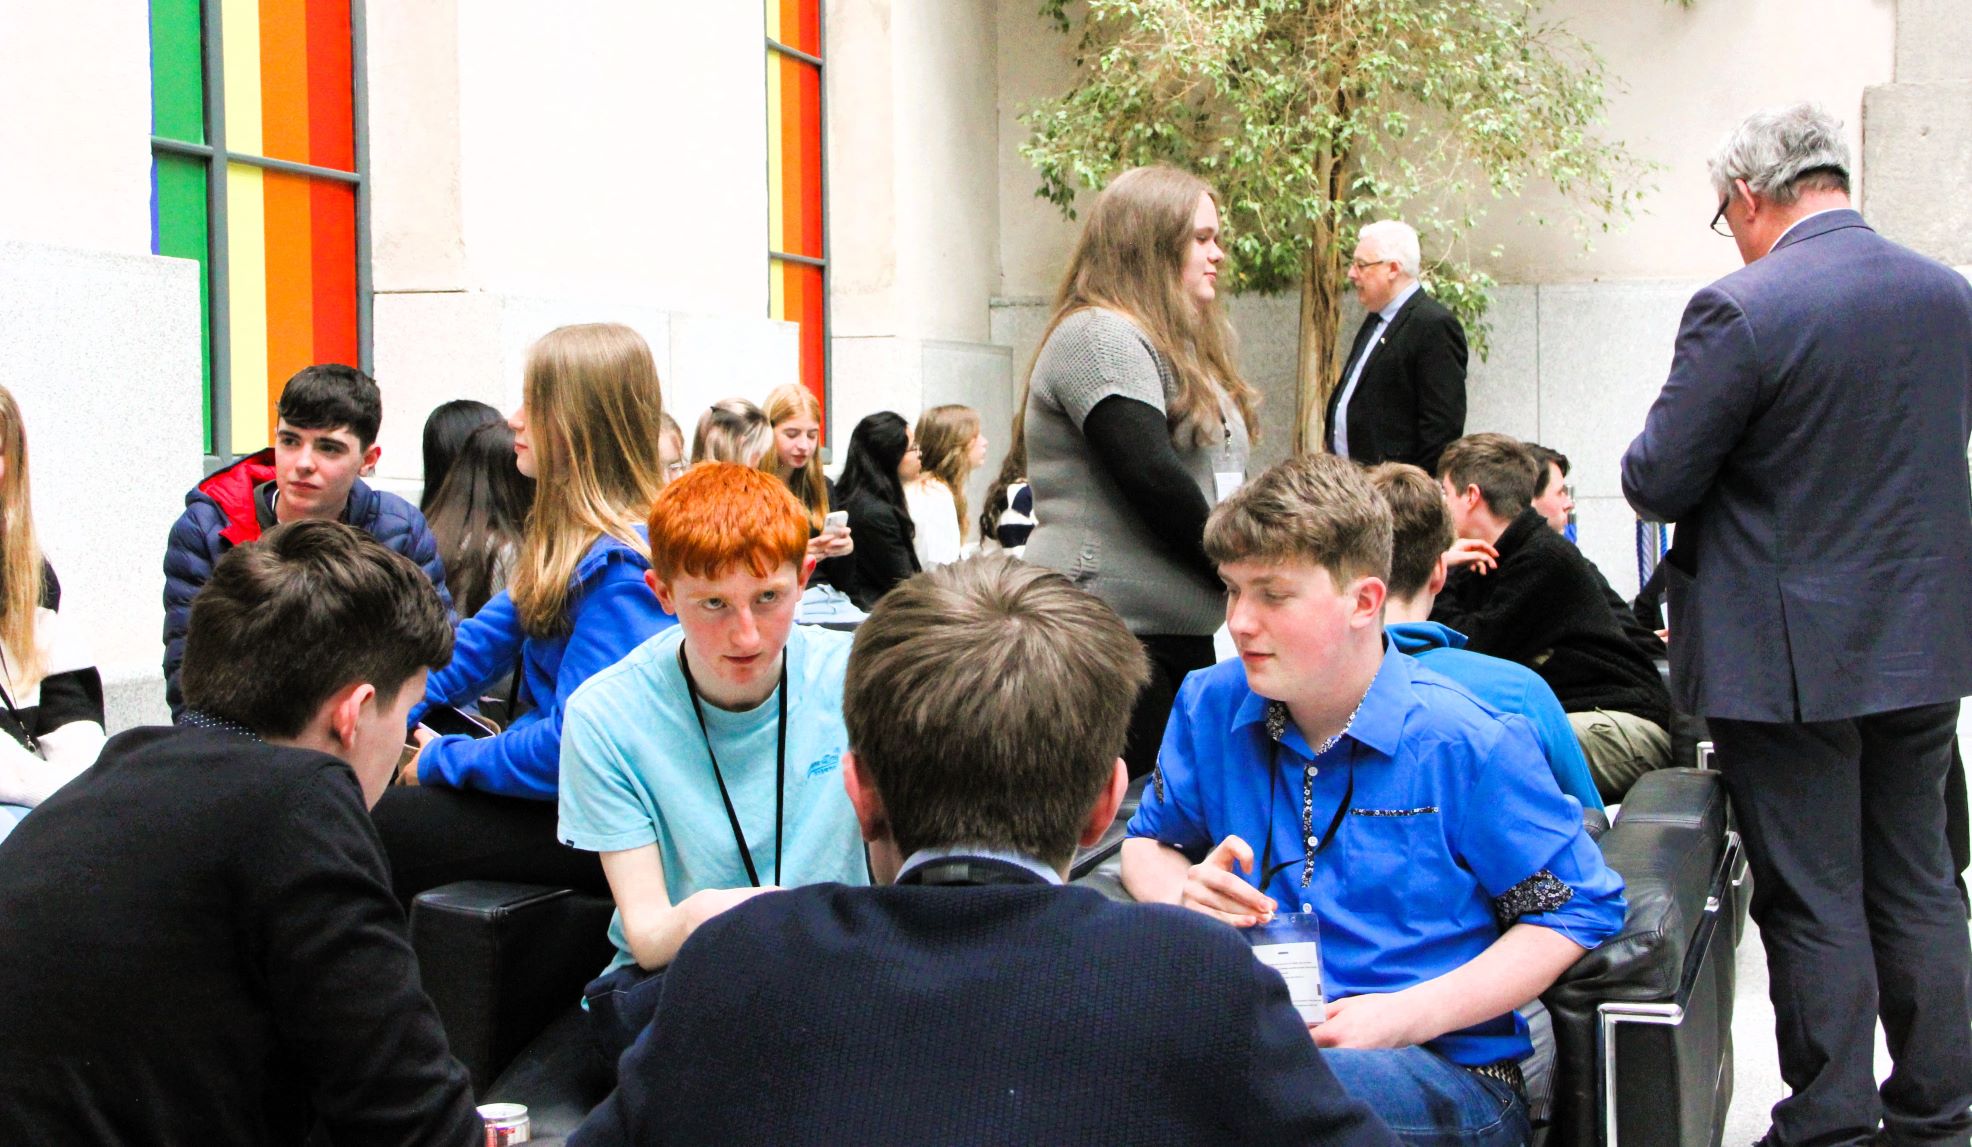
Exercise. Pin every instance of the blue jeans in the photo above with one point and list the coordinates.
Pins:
(10, 815)
(1428, 1100)
(621, 1003)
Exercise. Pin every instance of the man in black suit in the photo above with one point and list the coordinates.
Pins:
(1810, 445)
(1402, 393)
(972, 999)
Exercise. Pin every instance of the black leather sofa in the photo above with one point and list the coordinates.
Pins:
(1642, 1025)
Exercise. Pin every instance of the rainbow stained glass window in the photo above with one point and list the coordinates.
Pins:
(264, 195)
(797, 259)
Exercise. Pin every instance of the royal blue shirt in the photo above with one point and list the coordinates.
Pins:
(1453, 825)
(1509, 687)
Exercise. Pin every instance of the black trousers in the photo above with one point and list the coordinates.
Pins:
(1844, 823)
(1171, 657)
(435, 835)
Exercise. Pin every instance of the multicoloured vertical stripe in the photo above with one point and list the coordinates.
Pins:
(290, 239)
(797, 289)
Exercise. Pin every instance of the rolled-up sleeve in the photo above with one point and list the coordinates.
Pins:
(1524, 841)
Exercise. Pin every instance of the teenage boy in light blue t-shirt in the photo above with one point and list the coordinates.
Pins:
(705, 767)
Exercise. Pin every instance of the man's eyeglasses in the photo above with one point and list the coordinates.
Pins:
(1366, 264)
(1719, 224)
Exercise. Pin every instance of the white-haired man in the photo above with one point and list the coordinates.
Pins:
(1810, 445)
(1402, 396)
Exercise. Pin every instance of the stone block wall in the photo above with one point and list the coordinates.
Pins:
(102, 352)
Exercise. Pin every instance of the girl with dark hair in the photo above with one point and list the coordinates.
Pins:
(1137, 422)
(479, 516)
(882, 457)
(446, 430)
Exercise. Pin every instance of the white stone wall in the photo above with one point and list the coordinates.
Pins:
(551, 165)
(102, 352)
(75, 80)
(436, 346)
(1680, 78)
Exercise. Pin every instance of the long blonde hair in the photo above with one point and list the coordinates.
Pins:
(594, 414)
(1130, 259)
(20, 552)
(791, 400)
(945, 435)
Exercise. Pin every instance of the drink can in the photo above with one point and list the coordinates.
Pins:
(505, 1123)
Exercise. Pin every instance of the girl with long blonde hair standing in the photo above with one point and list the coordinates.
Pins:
(587, 432)
(51, 697)
(951, 446)
(1137, 423)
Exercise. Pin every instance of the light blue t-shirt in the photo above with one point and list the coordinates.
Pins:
(634, 771)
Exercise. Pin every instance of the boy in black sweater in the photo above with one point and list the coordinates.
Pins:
(1522, 592)
(200, 942)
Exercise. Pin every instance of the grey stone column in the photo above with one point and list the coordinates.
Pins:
(1917, 134)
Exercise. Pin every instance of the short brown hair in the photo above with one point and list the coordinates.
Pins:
(987, 702)
(1503, 468)
(1420, 525)
(311, 607)
(1317, 508)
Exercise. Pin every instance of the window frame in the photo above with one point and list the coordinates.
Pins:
(218, 160)
(775, 47)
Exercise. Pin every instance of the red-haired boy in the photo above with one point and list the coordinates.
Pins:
(705, 767)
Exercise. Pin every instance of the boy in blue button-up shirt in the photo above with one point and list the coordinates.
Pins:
(1328, 773)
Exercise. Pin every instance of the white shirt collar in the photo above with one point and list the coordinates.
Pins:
(924, 856)
(1390, 309)
(1804, 219)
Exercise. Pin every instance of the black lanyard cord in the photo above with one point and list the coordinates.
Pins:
(780, 771)
(1268, 870)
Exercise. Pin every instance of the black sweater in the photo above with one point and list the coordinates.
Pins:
(1544, 607)
(883, 556)
(198, 944)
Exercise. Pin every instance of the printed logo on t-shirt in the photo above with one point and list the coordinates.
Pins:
(829, 762)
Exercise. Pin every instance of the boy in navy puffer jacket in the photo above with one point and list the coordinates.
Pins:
(326, 436)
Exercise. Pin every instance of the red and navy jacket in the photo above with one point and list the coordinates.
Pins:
(220, 513)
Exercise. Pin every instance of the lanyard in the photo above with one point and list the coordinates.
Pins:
(1269, 870)
(780, 771)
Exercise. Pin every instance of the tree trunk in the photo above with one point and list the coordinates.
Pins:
(1321, 301)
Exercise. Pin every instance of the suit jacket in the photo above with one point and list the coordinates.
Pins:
(1006, 1013)
(1810, 445)
(1410, 402)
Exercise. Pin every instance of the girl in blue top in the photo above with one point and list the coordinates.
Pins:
(587, 433)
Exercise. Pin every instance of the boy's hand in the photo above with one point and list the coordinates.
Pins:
(1372, 1021)
(1212, 888)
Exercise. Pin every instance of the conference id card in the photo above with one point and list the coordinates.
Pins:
(1291, 945)
(1225, 482)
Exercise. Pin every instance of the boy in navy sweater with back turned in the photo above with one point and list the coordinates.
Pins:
(973, 999)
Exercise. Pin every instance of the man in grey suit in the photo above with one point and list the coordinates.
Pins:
(1810, 444)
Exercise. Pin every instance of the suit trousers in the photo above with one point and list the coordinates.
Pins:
(1844, 823)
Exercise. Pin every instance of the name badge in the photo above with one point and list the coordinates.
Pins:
(1291, 945)
(1227, 482)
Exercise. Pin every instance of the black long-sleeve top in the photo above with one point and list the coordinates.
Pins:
(198, 944)
(1544, 608)
(883, 555)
